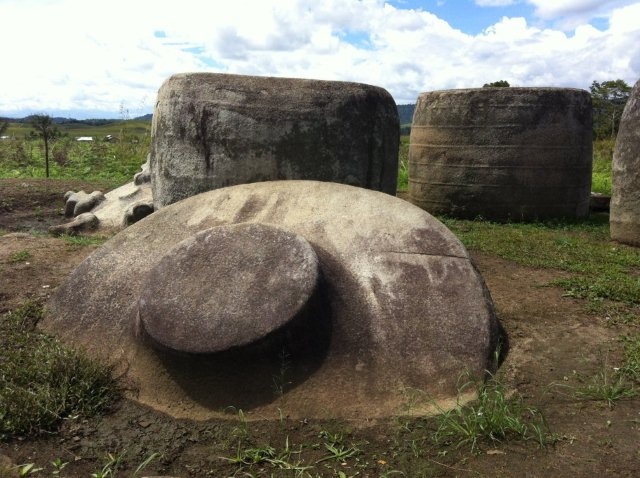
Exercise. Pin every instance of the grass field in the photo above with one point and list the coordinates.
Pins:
(23, 157)
(130, 128)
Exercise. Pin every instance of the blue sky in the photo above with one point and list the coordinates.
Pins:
(75, 58)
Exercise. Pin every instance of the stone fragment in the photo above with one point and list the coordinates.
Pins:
(214, 130)
(399, 306)
(624, 218)
(117, 209)
(86, 221)
(80, 202)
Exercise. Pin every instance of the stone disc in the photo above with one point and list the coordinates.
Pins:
(227, 286)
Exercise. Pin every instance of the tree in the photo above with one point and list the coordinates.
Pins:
(48, 131)
(3, 127)
(609, 99)
(499, 84)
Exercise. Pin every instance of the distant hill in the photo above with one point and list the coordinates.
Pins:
(72, 121)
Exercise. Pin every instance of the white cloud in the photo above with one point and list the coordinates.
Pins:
(64, 55)
(572, 13)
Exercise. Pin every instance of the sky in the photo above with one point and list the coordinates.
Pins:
(89, 59)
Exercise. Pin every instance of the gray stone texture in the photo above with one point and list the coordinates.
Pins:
(624, 218)
(80, 202)
(399, 305)
(236, 284)
(115, 210)
(502, 153)
(215, 130)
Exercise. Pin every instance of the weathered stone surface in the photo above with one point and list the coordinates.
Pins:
(502, 153)
(236, 284)
(80, 202)
(143, 176)
(624, 218)
(215, 130)
(117, 209)
(87, 221)
(399, 306)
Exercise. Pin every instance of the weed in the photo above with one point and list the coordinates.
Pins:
(58, 465)
(83, 241)
(606, 386)
(20, 256)
(631, 365)
(145, 463)
(268, 455)
(43, 382)
(493, 416)
(403, 164)
(338, 450)
(110, 468)
(28, 469)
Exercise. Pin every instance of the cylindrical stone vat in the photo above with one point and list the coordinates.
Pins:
(502, 153)
(215, 130)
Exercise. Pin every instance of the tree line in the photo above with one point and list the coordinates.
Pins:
(608, 99)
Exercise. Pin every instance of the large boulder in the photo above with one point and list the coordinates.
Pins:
(214, 130)
(350, 300)
(625, 199)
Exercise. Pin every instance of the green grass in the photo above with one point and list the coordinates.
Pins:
(403, 164)
(20, 256)
(631, 364)
(117, 128)
(599, 268)
(607, 386)
(98, 160)
(43, 382)
(83, 241)
(602, 157)
(494, 416)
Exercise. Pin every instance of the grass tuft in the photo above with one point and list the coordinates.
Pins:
(20, 256)
(493, 416)
(44, 382)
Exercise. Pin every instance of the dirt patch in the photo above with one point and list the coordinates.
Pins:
(554, 341)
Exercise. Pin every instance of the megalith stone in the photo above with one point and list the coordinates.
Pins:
(504, 154)
(624, 217)
(395, 304)
(214, 130)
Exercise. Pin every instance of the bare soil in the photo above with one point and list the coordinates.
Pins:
(554, 341)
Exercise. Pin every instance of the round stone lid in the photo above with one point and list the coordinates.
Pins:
(226, 287)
